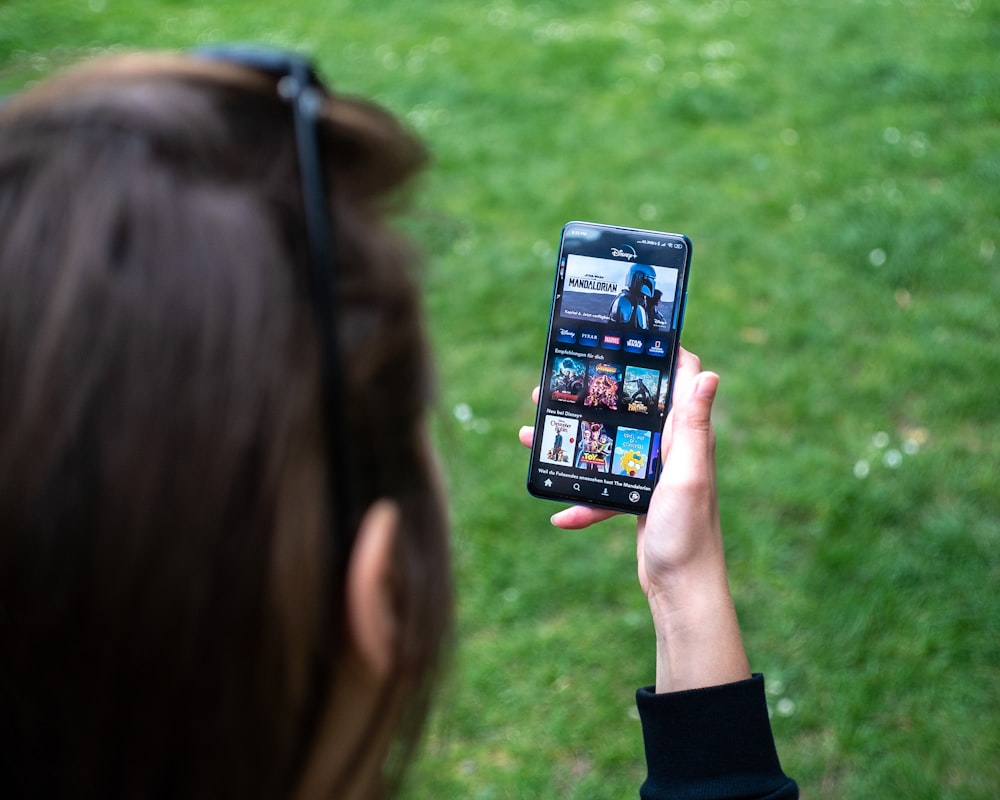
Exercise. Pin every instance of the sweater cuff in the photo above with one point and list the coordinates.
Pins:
(712, 742)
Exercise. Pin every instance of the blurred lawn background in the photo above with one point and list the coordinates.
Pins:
(837, 166)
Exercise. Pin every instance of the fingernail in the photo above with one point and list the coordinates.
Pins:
(706, 385)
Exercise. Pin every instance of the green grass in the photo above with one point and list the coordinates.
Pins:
(837, 166)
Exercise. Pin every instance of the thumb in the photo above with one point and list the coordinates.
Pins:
(698, 410)
(692, 424)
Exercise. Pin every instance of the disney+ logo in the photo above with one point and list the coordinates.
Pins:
(625, 251)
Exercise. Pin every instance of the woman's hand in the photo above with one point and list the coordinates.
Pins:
(681, 531)
(681, 559)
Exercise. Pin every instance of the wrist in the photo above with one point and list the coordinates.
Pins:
(681, 597)
(698, 639)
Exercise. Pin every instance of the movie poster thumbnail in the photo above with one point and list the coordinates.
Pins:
(632, 296)
(568, 380)
(596, 446)
(632, 450)
(559, 440)
(604, 383)
(639, 390)
(661, 400)
(654, 456)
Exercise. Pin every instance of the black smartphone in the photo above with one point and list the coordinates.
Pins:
(610, 358)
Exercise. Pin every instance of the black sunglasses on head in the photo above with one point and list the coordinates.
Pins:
(298, 85)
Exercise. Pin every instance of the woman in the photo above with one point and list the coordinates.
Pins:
(212, 581)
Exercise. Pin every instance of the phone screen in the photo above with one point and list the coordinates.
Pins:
(607, 376)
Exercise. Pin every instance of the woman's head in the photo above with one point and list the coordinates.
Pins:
(172, 610)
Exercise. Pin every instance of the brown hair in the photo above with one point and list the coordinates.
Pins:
(169, 611)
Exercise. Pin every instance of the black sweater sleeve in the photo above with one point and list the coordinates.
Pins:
(711, 744)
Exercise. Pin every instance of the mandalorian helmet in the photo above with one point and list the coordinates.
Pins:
(642, 279)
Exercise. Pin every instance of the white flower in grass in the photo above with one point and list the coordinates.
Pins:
(543, 250)
(918, 144)
(463, 413)
(785, 707)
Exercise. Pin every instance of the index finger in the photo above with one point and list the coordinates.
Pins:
(577, 518)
